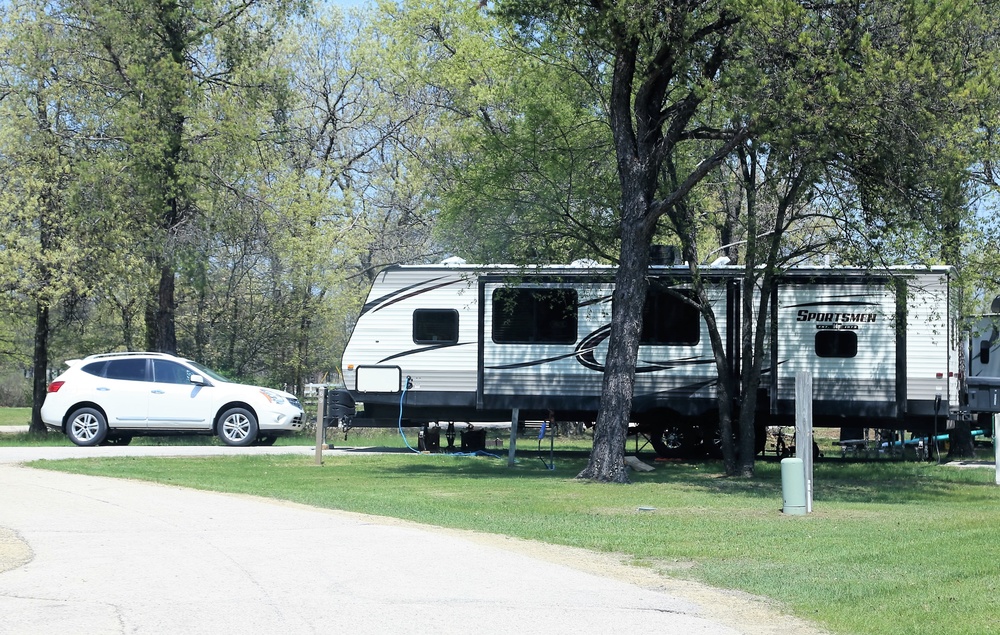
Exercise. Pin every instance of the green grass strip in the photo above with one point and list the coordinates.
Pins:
(15, 416)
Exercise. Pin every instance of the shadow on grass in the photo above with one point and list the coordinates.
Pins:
(883, 482)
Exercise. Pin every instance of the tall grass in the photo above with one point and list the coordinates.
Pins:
(892, 547)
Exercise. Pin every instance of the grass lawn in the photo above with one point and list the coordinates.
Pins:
(15, 416)
(892, 547)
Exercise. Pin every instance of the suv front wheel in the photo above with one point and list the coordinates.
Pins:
(237, 427)
(87, 427)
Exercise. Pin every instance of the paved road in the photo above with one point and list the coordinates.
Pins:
(112, 556)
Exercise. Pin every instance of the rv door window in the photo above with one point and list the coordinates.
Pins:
(837, 343)
(435, 326)
(534, 316)
(669, 319)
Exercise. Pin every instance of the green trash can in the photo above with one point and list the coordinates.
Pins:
(793, 486)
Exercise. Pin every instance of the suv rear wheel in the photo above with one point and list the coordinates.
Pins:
(237, 427)
(87, 427)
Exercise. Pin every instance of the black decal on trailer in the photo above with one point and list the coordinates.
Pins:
(422, 349)
(394, 297)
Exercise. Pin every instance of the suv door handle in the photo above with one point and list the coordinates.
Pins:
(157, 392)
(103, 389)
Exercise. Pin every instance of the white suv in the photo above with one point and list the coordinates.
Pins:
(112, 397)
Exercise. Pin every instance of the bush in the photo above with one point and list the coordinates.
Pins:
(15, 390)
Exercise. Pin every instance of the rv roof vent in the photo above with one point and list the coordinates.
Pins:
(454, 260)
(584, 262)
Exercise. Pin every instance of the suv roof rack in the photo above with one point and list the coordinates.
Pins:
(129, 354)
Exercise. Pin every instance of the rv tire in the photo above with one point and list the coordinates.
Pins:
(671, 442)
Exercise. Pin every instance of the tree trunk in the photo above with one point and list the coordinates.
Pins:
(166, 341)
(40, 364)
(961, 445)
(160, 334)
(607, 460)
(152, 326)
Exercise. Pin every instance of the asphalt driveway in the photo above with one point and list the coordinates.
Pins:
(114, 556)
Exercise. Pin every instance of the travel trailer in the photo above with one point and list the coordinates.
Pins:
(442, 344)
(983, 381)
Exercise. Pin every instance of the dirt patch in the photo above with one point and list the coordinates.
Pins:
(14, 551)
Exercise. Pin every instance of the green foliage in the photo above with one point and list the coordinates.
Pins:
(236, 153)
(522, 172)
(15, 392)
(42, 259)
(545, 189)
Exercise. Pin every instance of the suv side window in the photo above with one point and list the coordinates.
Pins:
(168, 372)
(132, 369)
(95, 368)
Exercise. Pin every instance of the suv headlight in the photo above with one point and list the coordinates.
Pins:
(272, 396)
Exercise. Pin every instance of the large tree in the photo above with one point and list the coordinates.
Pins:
(863, 91)
(168, 63)
(47, 224)
(664, 59)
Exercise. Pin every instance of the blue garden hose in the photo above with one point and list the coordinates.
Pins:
(402, 397)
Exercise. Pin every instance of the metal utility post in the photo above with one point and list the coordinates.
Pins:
(804, 430)
(320, 424)
(996, 448)
(514, 415)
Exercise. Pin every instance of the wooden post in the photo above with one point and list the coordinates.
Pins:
(320, 424)
(804, 430)
(514, 416)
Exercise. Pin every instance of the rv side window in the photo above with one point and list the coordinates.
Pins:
(435, 326)
(536, 316)
(837, 343)
(668, 319)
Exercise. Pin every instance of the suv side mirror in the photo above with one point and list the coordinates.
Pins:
(198, 380)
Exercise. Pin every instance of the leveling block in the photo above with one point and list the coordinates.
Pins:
(637, 465)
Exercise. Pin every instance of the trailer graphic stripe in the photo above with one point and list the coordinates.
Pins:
(589, 345)
(834, 303)
(423, 349)
(539, 362)
(385, 301)
(370, 305)
(600, 300)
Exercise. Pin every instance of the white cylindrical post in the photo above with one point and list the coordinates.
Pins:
(793, 487)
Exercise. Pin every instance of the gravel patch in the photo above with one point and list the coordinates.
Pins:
(14, 552)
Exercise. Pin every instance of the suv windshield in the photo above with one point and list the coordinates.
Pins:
(208, 372)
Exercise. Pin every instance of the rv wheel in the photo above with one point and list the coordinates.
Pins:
(670, 442)
(712, 443)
